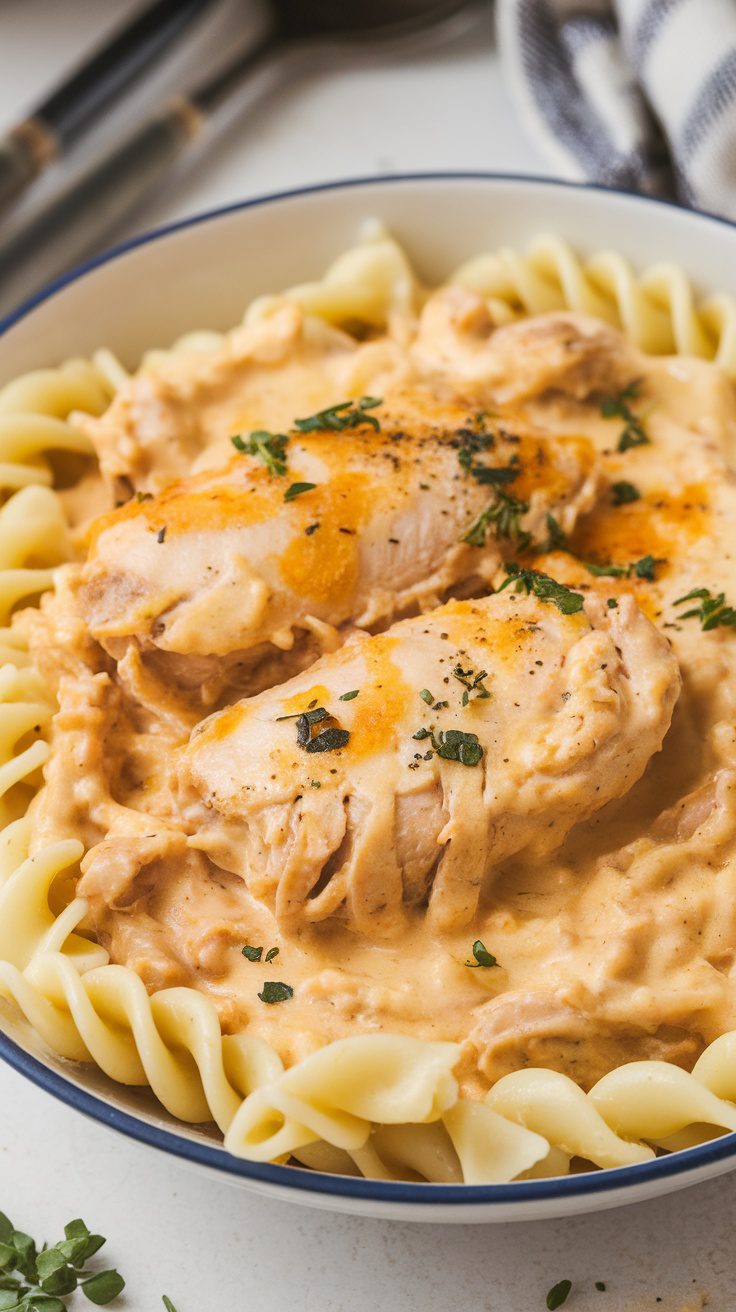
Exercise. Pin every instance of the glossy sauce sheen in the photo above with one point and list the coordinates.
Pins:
(591, 849)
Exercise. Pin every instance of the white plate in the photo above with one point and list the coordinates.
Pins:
(201, 274)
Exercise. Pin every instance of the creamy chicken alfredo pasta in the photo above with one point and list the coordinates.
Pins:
(367, 721)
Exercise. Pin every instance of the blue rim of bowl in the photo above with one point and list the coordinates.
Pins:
(297, 1178)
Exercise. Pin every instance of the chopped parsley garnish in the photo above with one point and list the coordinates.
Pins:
(495, 473)
(712, 612)
(167, 1303)
(310, 529)
(329, 740)
(472, 682)
(297, 489)
(482, 956)
(275, 991)
(33, 1281)
(143, 496)
(348, 696)
(255, 954)
(640, 569)
(606, 571)
(161, 534)
(306, 721)
(617, 407)
(622, 493)
(645, 568)
(427, 696)
(452, 745)
(543, 587)
(313, 715)
(558, 1294)
(336, 418)
(469, 442)
(503, 514)
(556, 538)
(268, 447)
(600, 1286)
(612, 604)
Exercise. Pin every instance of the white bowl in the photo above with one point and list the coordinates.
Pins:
(200, 274)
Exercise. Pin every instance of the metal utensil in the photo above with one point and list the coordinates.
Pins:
(73, 224)
(71, 109)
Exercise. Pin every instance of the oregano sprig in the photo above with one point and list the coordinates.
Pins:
(39, 1281)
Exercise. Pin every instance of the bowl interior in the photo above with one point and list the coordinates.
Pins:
(201, 274)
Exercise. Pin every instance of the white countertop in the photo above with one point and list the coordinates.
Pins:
(205, 1244)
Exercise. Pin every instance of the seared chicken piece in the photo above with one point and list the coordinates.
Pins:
(224, 570)
(162, 419)
(540, 1029)
(404, 767)
(561, 351)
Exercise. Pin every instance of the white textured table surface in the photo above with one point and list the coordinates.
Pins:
(204, 1243)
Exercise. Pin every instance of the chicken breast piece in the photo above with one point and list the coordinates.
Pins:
(556, 352)
(402, 769)
(521, 1029)
(224, 569)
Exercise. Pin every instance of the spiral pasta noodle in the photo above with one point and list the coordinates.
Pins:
(379, 1105)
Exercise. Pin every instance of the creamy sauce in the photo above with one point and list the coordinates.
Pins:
(614, 936)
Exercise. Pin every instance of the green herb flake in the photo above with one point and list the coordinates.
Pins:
(469, 442)
(482, 956)
(617, 407)
(623, 493)
(329, 740)
(472, 682)
(640, 569)
(452, 745)
(143, 496)
(268, 447)
(427, 696)
(600, 1286)
(297, 489)
(336, 418)
(556, 538)
(558, 1294)
(713, 612)
(272, 954)
(645, 568)
(348, 696)
(252, 954)
(543, 587)
(503, 515)
(605, 571)
(167, 1303)
(310, 529)
(275, 991)
(612, 604)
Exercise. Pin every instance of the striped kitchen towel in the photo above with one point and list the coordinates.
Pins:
(639, 94)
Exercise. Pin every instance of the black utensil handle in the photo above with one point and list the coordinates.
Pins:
(81, 98)
(64, 116)
(71, 226)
